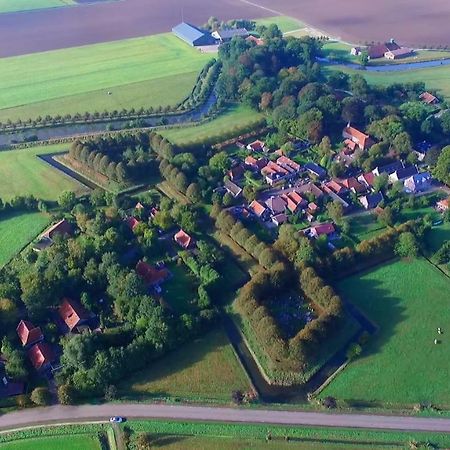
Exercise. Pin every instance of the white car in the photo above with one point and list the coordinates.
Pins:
(116, 419)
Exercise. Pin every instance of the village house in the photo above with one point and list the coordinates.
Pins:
(419, 182)
(402, 174)
(152, 276)
(236, 173)
(336, 187)
(183, 239)
(443, 205)
(257, 146)
(311, 211)
(379, 50)
(288, 164)
(132, 222)
(294, 201)
(371, 201)
(73, 315)
(279, 219)
(315, 170)
(429, 98)
(62, 228)
(276, 205)
(258, 209)
(274, 173)
(356, 139)
(367, 179)
(28, 333)
(388, 168)
(324, 229)
(310, 188)
(255, 40)
(255, 164)
(353, 185)
(233, 188)
(41, 356)
(9, 387)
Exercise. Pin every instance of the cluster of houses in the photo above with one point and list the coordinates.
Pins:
(388, 50)
(196, 37)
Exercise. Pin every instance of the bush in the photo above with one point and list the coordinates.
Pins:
(66, 394)
(41, 396)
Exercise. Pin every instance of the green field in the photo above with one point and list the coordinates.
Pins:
(285, 24)
(133, 70)
(203, 369)
(235, 118)
(408, 300)
(26, 5)
(73, 442)
(23, 173)
(17, 230)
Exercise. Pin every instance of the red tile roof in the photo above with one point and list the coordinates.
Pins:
(368, 178)
(335, 186)
(284, 161)
(257, 41)
(250, 161)
(363, 140)
(150, 274)
(183, 239)
(428, 98)
(28, 333)
(132, 222)
(72, 313)
(40, 355)
(63, 227)
(257, 208)
(257, 146)
(353, 183)
(324, 228)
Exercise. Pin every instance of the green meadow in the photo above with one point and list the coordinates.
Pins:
(26, 5)
(400, 365)
(73, 442)
(148, 71)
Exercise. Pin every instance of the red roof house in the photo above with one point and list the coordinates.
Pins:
(151, 275)
(322, 229)
(257, 208)
(132, 222)
(367, 179)
(257, 146)
(353, 185)
(62, 228)
(443, 205)
(429, 98)
(72, 314)
(41, 356)
(28, 333)
(183, 239)
(362, 140)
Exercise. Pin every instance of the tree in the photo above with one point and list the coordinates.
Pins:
(41, 396)
(66, 394)
(249, 193)
(335, 211)
(407, 246)
(9, 313)
(193, 192)
(442, 169)
(220, 162)
(380, 183)
(67, 200)
(353, 351)
(110, 393)
(163, 220)
(386, 216)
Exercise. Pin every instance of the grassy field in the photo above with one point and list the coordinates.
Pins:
(23, 173)
(400, 365)
(17, 230)
(212, 436)
(285, 24)
(74, 442)
(203, 369)
(236, 118)
(181, 289)
(135, 67)
(26, 5)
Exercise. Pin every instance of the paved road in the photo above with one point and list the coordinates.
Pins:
(68, 414)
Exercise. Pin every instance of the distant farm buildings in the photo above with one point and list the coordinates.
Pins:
(192, 35)
(388, 50)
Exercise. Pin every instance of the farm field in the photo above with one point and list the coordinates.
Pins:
(17, 230)
(285, 24)
(23, 173)
(234, 118)
(164, 91)
(27, 5)
(408, 300)
(74, 442)
(203, 369)
(25, 81)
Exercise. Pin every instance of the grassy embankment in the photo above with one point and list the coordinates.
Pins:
(400, 365)
(23, 173)
(27, 5)
(140, 72)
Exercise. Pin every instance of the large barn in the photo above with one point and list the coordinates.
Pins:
(192, 35)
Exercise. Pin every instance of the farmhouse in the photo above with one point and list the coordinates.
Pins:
(62, 228)
(151, 275)
(429, 98)
(371, 201)
(356, 139)
(228, 34)
(192, 35)
(233, 188)
(73, 314)
(379, 50)
(183, 239)
(419, 182)
(401, 52)
(28, 333)
(41, 356)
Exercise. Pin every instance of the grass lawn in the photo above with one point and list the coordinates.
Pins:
(26, 5)
(17, 230)
(160, 91)
(23, 173)
(181, 289)
(365, 226)
(203, 369)
(437, 235)
(25, 80)
(285, 24)
(233, 120)
(72, 442)
(400, 365)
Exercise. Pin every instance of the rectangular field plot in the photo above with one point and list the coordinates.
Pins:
(27, 5)
(74, 442)
(400, 365)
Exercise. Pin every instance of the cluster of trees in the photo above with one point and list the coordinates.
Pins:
(442, 256)
(123, 157)
(22, 203)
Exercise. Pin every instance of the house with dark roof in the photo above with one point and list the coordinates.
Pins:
(41, 356)
(388, 168)
(421, 149)
(371, 201)
(151, 275)
(233, 188)
(276, 205)
(9, 387)
(356, 139)
(73, 315)
(316, 170)
(420, 182)
(183, 239)
(192, 35)
(279, 219)
(353, 185)
(403, 173)
(28, 333)
(236, 172)
(378, 50)
(226, 35)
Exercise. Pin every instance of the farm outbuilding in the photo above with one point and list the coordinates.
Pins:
(192, 35)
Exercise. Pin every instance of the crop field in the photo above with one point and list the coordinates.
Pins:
(136, 67)
(203, 369)
(27, 5)
(23, 173)
(17, 230)
(400, 365)
(74, 442)
(233, 120)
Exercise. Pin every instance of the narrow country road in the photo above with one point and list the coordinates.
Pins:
(69, 414)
